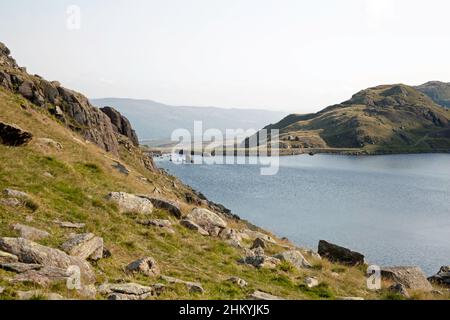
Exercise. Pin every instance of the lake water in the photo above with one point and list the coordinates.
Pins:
(394, 209)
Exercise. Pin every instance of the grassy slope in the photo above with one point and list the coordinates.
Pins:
(83, 176)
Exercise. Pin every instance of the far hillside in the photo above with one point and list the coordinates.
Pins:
(156, 121)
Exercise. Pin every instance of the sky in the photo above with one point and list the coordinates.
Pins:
(289, 55)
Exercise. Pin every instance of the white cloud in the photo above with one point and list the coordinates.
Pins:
(379, 12)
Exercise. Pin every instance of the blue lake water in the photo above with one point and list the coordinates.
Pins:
(394, 209)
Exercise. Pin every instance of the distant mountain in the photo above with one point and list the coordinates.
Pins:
(388, 118)
(157, 121)
(438, 91)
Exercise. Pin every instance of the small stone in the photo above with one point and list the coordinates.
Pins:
(70, 225)
(400, 289)
(16, 194)
(259, 295)
(311, 282)
(193, 287)
(193, 226)
(146, 266)
(238, 281)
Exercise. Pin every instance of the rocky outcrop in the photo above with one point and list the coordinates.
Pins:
(13, 136)
(32, 253)
(30, 233)
(411, 277)
(131, 203)
(146, 266)
(106, 128)
(208, 220)
(335, 253)
(121, 124)
(84, 246)
(442, 277)
(295, 258)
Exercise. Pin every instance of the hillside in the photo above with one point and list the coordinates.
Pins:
(157, 121)
(383, 119)
(438, 91)
(77, 192)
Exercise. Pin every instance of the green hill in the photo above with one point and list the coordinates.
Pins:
(438, 91)
(383, 119)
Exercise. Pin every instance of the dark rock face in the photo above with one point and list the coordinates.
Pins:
(339, 254)
(442, 277)
(121, 124)
(11, 135)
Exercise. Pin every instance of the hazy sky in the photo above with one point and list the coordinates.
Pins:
(281, 54)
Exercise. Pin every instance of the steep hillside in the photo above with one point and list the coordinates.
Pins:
(438, 91)
(134, 232)
(156, 121)
(389, 118)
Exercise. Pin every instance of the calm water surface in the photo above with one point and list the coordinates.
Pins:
(394, 209)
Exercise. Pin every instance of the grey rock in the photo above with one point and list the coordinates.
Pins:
(31, 252)
(126, 291)
(261, 261)
(6, 257)
(45, 276)
(295, 258)
(30, 233)
(10, 202)
(157, 223)
(230, 234)
(259, 295)
(251, 234)
(47, 142)
(311, 282)
(14, 136)
(335, 253)
(171, 206)
(84, 246)
(238, 281)
(12, 193)
(208, 220)
(146, 266)
(259, 243)
(411, 277)
(20, 267)
(400, 289)
(70, 225)
(193, 287)
(131, 203)
(442, 277)
(193, 226)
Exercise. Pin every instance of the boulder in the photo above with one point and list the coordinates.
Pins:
(442, 277)
(411, 277)
(11, 193)
(193, 226)
(14, 136)
(260, 261)
(335, 253)
(193, 287)
(30, 233)
(208, 220)
(230, 234)
(146, 266)
(44, 276)
(84, 246)
(70, 225)
(131, 203)
(238, 281)
(400, 289)
(295, 258)
(126, 291)
(259, 243)
(251, 234)
(6, 257)
(171, 206)
(259, 295)
(31, 252)
(311, 282)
